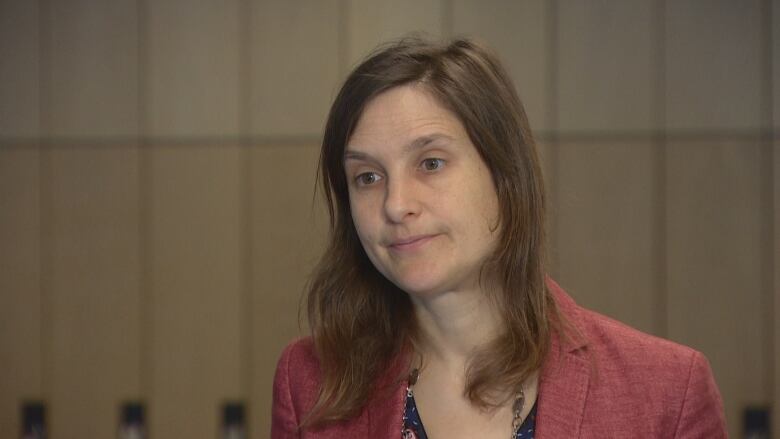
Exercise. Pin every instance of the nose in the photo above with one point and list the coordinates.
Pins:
(401, 200)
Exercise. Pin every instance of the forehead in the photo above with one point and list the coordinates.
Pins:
(400, 115)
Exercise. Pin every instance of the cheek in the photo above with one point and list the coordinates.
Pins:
(363, 219)
(491, 211)
(484, 199)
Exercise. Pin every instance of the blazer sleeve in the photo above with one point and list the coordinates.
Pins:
(284, 420)
(702, 410)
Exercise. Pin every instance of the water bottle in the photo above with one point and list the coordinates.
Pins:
(233, 426)
(33, 420)
(756, 423)
(131, 424)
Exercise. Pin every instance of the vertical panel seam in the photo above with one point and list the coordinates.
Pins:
(765, 60)
(767, 256)
(551, 10)
(146, 321)
(662, 294)
(774, 209)
(246, 357)
(245, 83)
(246, 365)
(44, 78)
(343, 36)
(552, 63)
(446, 18)
(768, 198)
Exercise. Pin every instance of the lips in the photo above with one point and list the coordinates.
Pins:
(410, 243)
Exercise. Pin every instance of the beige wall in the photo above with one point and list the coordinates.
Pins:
(157, 163)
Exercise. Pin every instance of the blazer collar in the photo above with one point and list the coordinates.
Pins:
(565, 375)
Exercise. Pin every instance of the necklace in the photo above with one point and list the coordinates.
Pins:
(517, 405)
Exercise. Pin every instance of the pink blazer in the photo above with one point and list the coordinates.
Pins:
(613, 382)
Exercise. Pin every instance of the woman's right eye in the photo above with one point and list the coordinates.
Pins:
(367, 178)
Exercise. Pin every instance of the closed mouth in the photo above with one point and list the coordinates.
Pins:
(411, 242)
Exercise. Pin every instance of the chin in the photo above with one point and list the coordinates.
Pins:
(420, 283)
(428, 281)
(420, 290)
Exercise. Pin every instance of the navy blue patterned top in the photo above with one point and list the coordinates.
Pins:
(413, 427)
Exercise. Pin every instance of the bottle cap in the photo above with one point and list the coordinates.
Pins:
(233, 413)
(133, 413)
(756, 419)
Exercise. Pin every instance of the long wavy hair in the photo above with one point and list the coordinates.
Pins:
(360, 321)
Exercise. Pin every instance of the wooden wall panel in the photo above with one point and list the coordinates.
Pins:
(518, 32)
(608, 66)
(94, 68)
(776, 254)
(774, 36)
(192, 76)
(295, 66)
(195, 288)
(776, 284)
(20, 70)
(713, 65)
(288, 236)
(714, 265)
(95, 289)
(548, 155)
(371, 22)
(20, 288)
(607, 228)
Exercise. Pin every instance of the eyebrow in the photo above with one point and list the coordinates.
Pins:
(417, 143)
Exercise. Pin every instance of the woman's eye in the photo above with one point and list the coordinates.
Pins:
(432, 164)
(367, 178)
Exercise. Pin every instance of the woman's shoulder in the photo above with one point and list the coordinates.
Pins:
(295, 388)
(300, 352)
(298, 365)
(658, 385)
(620, 342)
(632, 346)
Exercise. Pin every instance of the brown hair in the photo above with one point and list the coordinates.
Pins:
(359, 320)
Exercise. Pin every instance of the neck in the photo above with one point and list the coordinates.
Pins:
(453, 325)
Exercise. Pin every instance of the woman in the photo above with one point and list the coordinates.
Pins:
(430, 312)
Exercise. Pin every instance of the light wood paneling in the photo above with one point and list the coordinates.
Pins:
(714, 244)
(20, 293)
(517, 31)
(295, 66)
(193, 68)
(94, 68)
(95, 289)
(371, 22)
(608, 63)
(195, 291)
(606, 217)
(713, 65)
(19, 69)
(288, 235)
(548, 157)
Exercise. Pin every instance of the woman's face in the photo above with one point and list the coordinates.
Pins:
(423, 201)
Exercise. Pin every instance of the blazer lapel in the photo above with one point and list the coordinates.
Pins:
(385, 416)
(562, 393)
(386, 409)
(565, 377)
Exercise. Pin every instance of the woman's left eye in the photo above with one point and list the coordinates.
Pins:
(432, 164)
